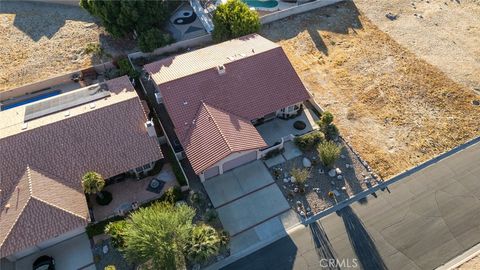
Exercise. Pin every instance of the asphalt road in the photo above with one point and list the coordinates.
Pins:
(420, 222)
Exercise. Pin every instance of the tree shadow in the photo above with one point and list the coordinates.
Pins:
(38, 20)
(339, 18)
(322, 245)
(360, 239)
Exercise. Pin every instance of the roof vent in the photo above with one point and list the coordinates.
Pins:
(221, 69)
(67, 113)
(150, 128)
(7, 206)
(185, 102)
(24, 126)
(92, 105)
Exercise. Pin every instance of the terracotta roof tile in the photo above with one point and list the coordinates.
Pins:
(253, 85)
(41, 167)
(217, 134)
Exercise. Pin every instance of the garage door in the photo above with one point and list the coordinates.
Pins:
(239, 161)
(211, 172)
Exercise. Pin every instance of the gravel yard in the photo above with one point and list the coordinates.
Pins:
(395, 109)
(354, 179)
(44, 40)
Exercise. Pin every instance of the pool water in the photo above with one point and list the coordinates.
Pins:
(30, 100)
(261, 4)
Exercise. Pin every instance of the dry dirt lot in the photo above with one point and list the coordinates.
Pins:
(40, 40)
(395, 108)
(445, 33)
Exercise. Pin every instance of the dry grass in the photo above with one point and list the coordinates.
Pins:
(396, 109)
(45, 40)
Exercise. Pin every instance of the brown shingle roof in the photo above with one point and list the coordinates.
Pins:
(217, 134)
(110, 139)
(254, 84)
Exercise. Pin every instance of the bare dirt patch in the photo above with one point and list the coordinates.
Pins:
(445, 33)
(43, 40)
(394, 108)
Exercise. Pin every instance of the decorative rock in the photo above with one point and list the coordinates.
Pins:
(333, 183)
(332, 173)
(292, 179)
(299, 203)
(338, 171)
(308, 209)
(286, 180)
(306, 163)
(284, 187)
(342, 156)
(302, 213)
(306, 185)
(344, 188)
(299, 209)
(295, 190)
(309, 214)
(339, 177)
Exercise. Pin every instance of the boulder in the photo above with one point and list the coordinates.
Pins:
(339, 177)
(332, 173)
(338, 171)
(306, 163)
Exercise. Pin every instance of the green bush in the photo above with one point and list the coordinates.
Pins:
(154, 38)
(310, 140)
(172, 195)
(105, 198)
(234, 19)
(327, 127)
(98, 228)
(116, 230)
(127, 69)
(110, 267)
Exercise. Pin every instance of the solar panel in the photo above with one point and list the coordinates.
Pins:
(65, 101)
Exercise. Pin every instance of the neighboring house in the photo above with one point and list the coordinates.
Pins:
(46, 148)
(215, 95)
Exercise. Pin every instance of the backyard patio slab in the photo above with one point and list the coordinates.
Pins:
(291, 151)
(273, 161)
(236, 183)
(253, 209)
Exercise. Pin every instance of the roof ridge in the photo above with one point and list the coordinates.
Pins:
(15, 222)
(56, 206)
(216, 125)
(29, 178)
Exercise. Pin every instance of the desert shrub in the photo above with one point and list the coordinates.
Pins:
(300, 175)
(329, 153)
(327, 127)
(310, 140)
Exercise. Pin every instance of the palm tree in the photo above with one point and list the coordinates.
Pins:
(204, 242)
(93, 183)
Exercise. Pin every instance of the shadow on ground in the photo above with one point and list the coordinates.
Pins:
(347, 12)
(323, 246)
(39, 20)
(361, 241)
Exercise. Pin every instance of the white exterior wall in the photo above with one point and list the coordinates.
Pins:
(229, 158)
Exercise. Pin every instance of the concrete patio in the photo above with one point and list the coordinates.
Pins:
(272, 131)
(132, 190)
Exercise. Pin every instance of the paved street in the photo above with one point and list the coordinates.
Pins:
(421, 222)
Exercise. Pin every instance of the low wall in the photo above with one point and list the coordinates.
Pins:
(202, 40)
(44, 84)
(278, 15)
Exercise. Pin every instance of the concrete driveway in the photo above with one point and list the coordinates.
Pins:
(237, 183)
(74, 253)
(420, 222)
(245, 197)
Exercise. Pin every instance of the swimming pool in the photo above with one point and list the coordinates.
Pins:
(30, 100)
(261, 4)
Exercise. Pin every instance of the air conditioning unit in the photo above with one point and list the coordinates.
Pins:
(159, 98)
(150, 128)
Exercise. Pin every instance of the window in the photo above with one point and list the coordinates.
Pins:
(139, 169)
(146, 167)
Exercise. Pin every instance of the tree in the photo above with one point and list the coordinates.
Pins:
(152, 39)
(93, 183)
(204, 242)
(122, 17)
(327, 127)
(234, 19)
(155, 236)
(329, 153)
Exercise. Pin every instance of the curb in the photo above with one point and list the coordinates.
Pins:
(461, 259)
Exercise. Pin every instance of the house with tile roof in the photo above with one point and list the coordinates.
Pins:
(215, 95)
(46, 148)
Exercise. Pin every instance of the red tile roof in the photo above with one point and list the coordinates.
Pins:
(254, 84)
(216, 134)
(41, 167)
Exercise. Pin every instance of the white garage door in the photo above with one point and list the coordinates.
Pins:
(209, 173)
(248, 157)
